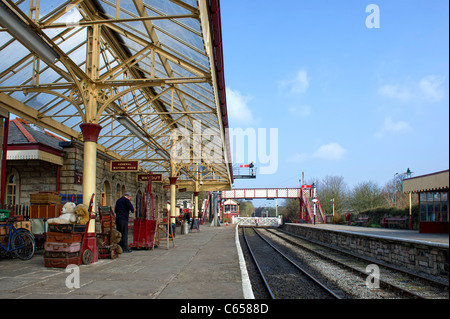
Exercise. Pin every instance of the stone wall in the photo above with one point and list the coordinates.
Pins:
(422, 257)
(37, 176)
(32, 176)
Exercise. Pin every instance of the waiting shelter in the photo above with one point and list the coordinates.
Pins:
(432, 191)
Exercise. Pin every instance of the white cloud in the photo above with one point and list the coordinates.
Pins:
(391, 127)
(238, 109)
(332, 152)
(397, 92)
(328, 152)
(429, 88)
(297, 85)
(302, 111)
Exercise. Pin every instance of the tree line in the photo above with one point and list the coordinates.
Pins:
(364, 196)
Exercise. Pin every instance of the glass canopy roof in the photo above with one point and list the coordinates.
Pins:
(150, 72)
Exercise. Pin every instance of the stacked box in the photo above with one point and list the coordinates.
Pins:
(45, 205)
(63, 245)
(45, 211)
(45, 198)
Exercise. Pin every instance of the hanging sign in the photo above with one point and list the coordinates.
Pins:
(124, 166)
(146, 177)
(168, 186)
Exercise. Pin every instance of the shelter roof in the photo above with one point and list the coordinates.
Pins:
(154, 69)
(437, 181)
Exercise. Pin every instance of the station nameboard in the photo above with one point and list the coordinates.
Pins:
(146, 177)
(124, 166)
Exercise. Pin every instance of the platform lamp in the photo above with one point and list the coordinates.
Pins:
(131, 126)
(26, 35)
(333, 202)
(408, 174)
(163, 154)
(395, 190)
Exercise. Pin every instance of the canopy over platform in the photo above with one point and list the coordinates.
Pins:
(144, 79)
(438, 181)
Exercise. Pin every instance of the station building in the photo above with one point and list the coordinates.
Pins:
(39, 161)
(230, 209)
(432, 191)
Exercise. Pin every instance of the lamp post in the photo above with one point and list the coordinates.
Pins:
(395, 190)
(332, 202)
(408, 175)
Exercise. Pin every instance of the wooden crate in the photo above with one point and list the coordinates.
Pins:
(45, 198)
(45, 211)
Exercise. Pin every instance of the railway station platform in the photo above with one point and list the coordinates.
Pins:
(400, 234)
(202, 265)
(426, 254)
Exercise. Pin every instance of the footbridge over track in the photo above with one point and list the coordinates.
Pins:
(309, 212)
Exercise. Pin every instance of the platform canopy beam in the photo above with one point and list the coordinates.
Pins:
(149, 73)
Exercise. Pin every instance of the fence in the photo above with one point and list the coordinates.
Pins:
(23, 210)
(257, 221)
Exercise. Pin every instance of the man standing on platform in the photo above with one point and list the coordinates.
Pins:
(123, 208)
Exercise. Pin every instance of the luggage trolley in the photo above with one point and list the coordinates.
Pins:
(107, 222)
(71, 243)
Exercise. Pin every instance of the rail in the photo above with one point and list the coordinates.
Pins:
(313, 279)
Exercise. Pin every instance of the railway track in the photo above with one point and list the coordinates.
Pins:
(405, 284)
(283, 278)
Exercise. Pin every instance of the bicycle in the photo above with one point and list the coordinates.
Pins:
(21, 242)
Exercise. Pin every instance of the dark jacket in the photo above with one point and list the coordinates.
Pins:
(123, 207)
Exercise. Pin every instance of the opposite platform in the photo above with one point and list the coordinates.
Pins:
(400, 234)
(203, 265)
(426, 254)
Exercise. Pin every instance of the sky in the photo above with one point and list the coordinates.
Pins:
(345, 99)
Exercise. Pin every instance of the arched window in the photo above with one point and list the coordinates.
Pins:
(106, 194)
(12, 188)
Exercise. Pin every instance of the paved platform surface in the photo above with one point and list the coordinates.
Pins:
(203, 265)
(387, 232)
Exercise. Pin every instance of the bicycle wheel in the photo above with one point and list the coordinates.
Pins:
(22, 244)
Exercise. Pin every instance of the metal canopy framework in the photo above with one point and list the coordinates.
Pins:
(149, 73)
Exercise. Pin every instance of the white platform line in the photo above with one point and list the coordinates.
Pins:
(246, 284)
